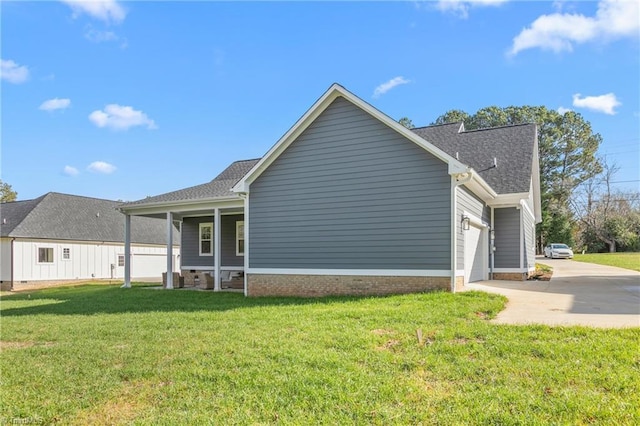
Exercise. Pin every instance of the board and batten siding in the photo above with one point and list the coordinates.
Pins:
(529, 231)
(191, 240)
(469, 202)
(87, 260)
(351, 193)
(507, 237)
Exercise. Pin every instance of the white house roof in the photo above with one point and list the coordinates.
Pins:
(70, 217)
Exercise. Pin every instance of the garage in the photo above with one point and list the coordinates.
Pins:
(475, 258)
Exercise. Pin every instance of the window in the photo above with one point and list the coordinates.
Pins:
(121, 260)
(45, 254)
(206, 239)
(66, 253)
(240, 238)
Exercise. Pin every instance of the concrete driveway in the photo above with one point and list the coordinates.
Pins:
(578, 294)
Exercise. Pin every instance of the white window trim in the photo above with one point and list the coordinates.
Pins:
(240, 223)
(53, 254)
(202, 225)
(66, 259)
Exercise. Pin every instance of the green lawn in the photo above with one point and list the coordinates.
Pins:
(621, 260)
(99, 354)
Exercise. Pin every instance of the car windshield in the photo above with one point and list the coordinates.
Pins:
(559, 246)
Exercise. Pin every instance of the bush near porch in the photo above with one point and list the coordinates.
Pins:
(104, 355)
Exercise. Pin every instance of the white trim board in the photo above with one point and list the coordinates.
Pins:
(354, 272)
(516, 270)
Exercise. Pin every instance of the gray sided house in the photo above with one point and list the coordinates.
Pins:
(348, 201)
(59, 237)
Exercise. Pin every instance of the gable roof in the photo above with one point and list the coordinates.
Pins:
(218, 188)
(71, 217)
(513, 148)
(316, 109)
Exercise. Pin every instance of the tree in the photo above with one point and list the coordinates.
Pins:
(6, 193)
(406, 122)
(608, 219)
(567, 150)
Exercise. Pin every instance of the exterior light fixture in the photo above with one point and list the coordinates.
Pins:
(466, 223)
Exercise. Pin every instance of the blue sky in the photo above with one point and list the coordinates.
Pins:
(122, 100)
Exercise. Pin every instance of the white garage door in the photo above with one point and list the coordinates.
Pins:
(148, 265)
(474, 255)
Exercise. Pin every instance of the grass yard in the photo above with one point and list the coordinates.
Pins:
(99, 354)
(621, 260)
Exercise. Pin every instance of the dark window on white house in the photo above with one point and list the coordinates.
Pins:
(45, 254)
(120, 260)
(66, 253)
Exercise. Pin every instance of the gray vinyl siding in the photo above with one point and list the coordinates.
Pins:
(228, 240)
(507, 237)
(529, 231)
(350, 193)
(189, 250)
(190, 253)
(467, 201)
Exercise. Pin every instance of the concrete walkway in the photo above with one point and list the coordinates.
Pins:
(578, 294)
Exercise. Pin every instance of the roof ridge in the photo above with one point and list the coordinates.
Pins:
(499, 127)
(79, 196)
(438, 125)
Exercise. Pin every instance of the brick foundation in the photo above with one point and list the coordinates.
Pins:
(338, 285)
(459, 283)
(510, 276)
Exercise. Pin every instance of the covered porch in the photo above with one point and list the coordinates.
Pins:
(211, 235)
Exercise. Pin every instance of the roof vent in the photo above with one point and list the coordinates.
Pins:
(495, 162)
(97, 214)
(457, 157)
(4, 221)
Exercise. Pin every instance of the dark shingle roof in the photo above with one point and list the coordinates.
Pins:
(219, 187)
(72, 217)
(511, 146)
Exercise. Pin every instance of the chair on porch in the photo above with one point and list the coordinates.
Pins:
(209, 283)
(178, 280)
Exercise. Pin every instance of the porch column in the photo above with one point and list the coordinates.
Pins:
(127, 252)
(217, 249)
(169, 250)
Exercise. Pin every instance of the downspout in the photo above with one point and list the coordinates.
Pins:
(456, 180)
(12, 260)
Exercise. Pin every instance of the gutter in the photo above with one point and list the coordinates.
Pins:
(12, 259)
(124, 209)
(457, 179)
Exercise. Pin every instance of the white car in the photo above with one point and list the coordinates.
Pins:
(558, 251)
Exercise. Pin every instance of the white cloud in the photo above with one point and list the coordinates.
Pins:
(461, 7)
(108, 11)
(54, 104)
(13, 72)
(70, 171)
(562, 110)
(560, 31)
(98, 36)
(119, 117)
(385, 87)
(101, 167)
(603, 103)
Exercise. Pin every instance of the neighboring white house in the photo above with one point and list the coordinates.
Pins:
(60, 237)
